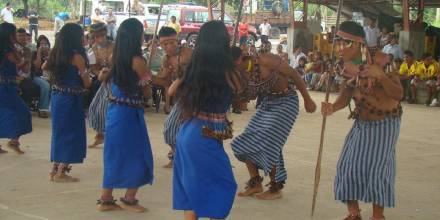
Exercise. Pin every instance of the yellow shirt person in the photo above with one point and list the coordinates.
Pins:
(406, 70)
(426, 71)
(173, 24)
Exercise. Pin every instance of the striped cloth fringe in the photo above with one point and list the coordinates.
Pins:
(172, 125)
(367, 167)
(263, 139)
(98, 108)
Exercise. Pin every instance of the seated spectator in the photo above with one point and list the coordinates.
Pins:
(29, 44)
(301, 67)
(406, 71)
(393, 47)
(315, 70)
(338, 78)
(425, 77)
(326, 69)
(39, 57)
(296, 55)
(29, 90)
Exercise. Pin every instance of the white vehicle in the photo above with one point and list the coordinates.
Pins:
(124, 9)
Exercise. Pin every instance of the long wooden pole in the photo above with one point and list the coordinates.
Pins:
(324, 118)
(237, 23)
(210, 16)
(222, 10)
(155, 34)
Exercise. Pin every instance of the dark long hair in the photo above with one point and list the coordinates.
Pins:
(128, 45)
(68, 42)
(40, 38)
(205, 79)
(7, 31)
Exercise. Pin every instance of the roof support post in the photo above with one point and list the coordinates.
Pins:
(405, 11)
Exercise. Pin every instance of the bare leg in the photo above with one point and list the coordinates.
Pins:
(166, 108)
(170, 156)
(99, 139)
(378, 212)
(274, 191)
(190, 215)
(130, 203)
(413, 94)
(254, 184)
(353, 210)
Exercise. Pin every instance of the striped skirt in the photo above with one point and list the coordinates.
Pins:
(98, 108)
(172, 125)
(367, 167)
(263, 139)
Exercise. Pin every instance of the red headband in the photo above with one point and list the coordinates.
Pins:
(351, 37)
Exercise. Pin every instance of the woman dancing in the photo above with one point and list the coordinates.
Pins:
(67, 66)
(204, 185)
(128, 161)
(15, 118)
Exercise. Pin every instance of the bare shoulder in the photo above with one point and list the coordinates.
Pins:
(269, 60)
(137, 61)
(186, 52)
(78, 60)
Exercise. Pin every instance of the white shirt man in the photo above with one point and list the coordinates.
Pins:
(371, 34)
(393, 48)
(7, 14)
(265, 28)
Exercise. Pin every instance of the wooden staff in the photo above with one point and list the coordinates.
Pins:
(324, 118)
(210, 16)
(222, 10)
(237, 23)
(155, 34)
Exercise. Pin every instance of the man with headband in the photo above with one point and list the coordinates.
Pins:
(99, 57)
(173, 68)
(366, 168)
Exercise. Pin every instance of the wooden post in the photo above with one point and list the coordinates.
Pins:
(222, 10)
(421, 9)
(405, 11)
(155, 34)
(210, 16)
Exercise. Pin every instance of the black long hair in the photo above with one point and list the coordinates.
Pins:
(128, 45)
(68, 42)
(205, 81)
(40, 38)
(7, 32)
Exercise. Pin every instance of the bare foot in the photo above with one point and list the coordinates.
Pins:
(253, 186)
(169, 165)
(105, 206)
(15, 146)
(64, 178)
(132, 206)
(268, 195)
(2, 151)
(99, 139)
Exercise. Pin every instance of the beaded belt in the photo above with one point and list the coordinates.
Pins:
(69, 90)
(134, 103)
(276, 95)
(218, 127)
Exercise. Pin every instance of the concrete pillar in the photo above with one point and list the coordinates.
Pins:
(414, 41)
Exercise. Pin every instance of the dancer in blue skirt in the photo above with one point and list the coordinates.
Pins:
(67, 65)
(203, 183)
(128, 161)
(15, 118)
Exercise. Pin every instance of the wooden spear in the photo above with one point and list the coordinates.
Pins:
(155, 34)
(324, 118)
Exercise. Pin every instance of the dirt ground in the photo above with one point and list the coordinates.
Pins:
(26, 193)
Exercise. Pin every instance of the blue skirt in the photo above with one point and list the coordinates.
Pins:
(366, 169)
(203, 179)
(15, 118)
(68, 128)
(128, 160)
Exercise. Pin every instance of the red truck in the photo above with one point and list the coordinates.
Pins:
(192, 17)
